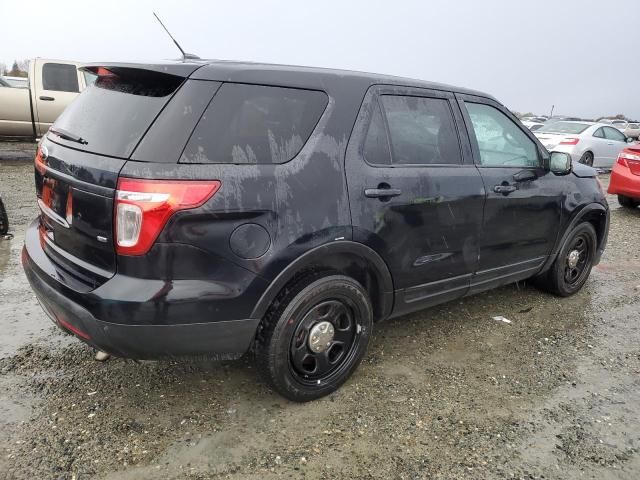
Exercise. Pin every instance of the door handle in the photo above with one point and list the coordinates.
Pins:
(382, 192)
(610, 143)
(505, 189)
(47, 99)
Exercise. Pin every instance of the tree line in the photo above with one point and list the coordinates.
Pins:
(18, 69)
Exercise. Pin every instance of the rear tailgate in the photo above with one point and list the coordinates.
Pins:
(78, 163)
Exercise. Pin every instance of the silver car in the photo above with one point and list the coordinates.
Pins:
(630, 129)
(594, 144)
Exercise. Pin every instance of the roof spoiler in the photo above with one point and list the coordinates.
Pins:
(181, 69)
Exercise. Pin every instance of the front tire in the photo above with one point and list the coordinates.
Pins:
(572, 266)
(4, 220)
(314, 336)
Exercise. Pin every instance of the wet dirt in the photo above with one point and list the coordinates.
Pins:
(445, 393)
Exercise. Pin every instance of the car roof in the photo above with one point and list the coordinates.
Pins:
(577, 121)
(250, 72)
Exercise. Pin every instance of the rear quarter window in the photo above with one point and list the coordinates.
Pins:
(255, 124)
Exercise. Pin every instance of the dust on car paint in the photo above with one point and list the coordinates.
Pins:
(447, 392)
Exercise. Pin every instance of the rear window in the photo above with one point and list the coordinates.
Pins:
(564, 127)
(255, 124)
(112, 115)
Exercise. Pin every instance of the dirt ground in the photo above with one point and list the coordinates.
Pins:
(446, 393)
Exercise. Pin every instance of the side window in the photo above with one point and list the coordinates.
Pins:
(614, 134)
(255, 124)
(500, 141)
(599, 133)
(60, 77)
(376, 144)
(421, 130)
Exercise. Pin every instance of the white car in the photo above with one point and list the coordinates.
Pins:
(533, 126)
(594, 144)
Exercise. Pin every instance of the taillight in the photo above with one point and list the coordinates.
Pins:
(40, 160)
(143, 208)
(569, 141)
(627, 155)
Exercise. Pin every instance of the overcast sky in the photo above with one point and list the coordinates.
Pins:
(581, 55)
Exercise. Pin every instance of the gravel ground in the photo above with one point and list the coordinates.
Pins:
(445, 393)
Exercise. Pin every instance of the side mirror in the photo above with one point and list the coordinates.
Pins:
(629, 140)
(560, 163)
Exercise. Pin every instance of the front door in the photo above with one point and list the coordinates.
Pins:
(416, 198)
(616, 141)
(523, 198)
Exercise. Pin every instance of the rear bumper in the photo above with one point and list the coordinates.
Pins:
(623, 182)
(221, 339)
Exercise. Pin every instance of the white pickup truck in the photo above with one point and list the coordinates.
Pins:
(53, 84)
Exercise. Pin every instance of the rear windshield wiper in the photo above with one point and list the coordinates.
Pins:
(68, 135)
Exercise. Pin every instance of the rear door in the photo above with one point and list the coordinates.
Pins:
(78, 163)
(598, 143)
(522, 211)
(415, 196)
(56, 85)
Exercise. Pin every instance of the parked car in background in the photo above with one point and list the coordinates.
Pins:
(209, 208)
(52, 85)
(557, 118)
(4, 83)
(533, 126)
(625, 177)
(631, 130)
(17, 82)
(593, 144)
(534, 119)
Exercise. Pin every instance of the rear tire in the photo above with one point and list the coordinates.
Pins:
(334, 308)
(572, 266)
(587, 159)
(627, 202)
(4, 220)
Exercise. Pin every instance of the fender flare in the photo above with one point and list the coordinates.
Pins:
(322, 256)
(577, 218)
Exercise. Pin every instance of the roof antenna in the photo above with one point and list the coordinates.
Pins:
(185, 56)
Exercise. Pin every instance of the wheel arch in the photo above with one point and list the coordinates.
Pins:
(346, 257)
(598, 216)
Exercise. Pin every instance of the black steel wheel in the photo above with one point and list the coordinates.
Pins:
(4, 220)
(587, 159)
(572, 266)
(577, 259)
(314, 336)
(324, 341)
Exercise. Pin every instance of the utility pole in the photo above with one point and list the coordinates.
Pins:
(552, 107)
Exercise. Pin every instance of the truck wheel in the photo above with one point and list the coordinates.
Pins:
(314, 336)
(627, 202)
(4, 220)
(572, 266)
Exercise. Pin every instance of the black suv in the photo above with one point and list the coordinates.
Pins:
(212, 208)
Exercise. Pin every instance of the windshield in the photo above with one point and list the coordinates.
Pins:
(564, 127)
